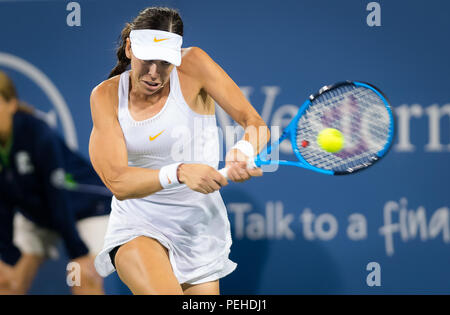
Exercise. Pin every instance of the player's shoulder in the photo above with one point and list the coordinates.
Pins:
(105, 94)
(193, 59)
(107, 88)
(193, 53)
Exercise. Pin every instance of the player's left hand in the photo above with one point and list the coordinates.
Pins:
(238, 172)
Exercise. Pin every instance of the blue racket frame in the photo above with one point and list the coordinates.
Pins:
(290, 132)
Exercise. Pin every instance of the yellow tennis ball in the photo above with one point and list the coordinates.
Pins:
(331, 140)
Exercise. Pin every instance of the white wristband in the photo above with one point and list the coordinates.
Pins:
(245, 147)
(168, 175)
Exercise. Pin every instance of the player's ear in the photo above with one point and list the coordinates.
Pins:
(128, 49)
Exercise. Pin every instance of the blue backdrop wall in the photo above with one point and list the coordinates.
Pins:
(294, 231)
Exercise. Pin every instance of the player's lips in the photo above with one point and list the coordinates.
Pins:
(152, 85)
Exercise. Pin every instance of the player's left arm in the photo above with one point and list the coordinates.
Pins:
(216, 82)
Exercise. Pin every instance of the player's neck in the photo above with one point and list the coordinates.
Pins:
(139, 99)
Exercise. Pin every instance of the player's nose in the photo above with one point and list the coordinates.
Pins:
(153, 70)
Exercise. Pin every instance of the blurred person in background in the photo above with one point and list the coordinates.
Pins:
(47, 193)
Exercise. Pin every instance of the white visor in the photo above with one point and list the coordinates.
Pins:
(156, 45)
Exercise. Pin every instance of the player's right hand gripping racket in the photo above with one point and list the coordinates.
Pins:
(359, 111)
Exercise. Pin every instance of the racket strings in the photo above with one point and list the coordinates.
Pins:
(359, 114)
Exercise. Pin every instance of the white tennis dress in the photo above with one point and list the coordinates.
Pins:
(194, 227)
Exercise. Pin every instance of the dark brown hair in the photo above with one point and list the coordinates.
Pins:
(155, 18)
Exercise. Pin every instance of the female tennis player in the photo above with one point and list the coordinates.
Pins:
(168, 232)
(47, 193)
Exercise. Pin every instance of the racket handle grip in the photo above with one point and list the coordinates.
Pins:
(224, 171)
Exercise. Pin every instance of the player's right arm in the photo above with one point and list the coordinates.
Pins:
(107, 149)
(108, 153)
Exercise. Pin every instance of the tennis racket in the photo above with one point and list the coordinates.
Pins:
(358, 110)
